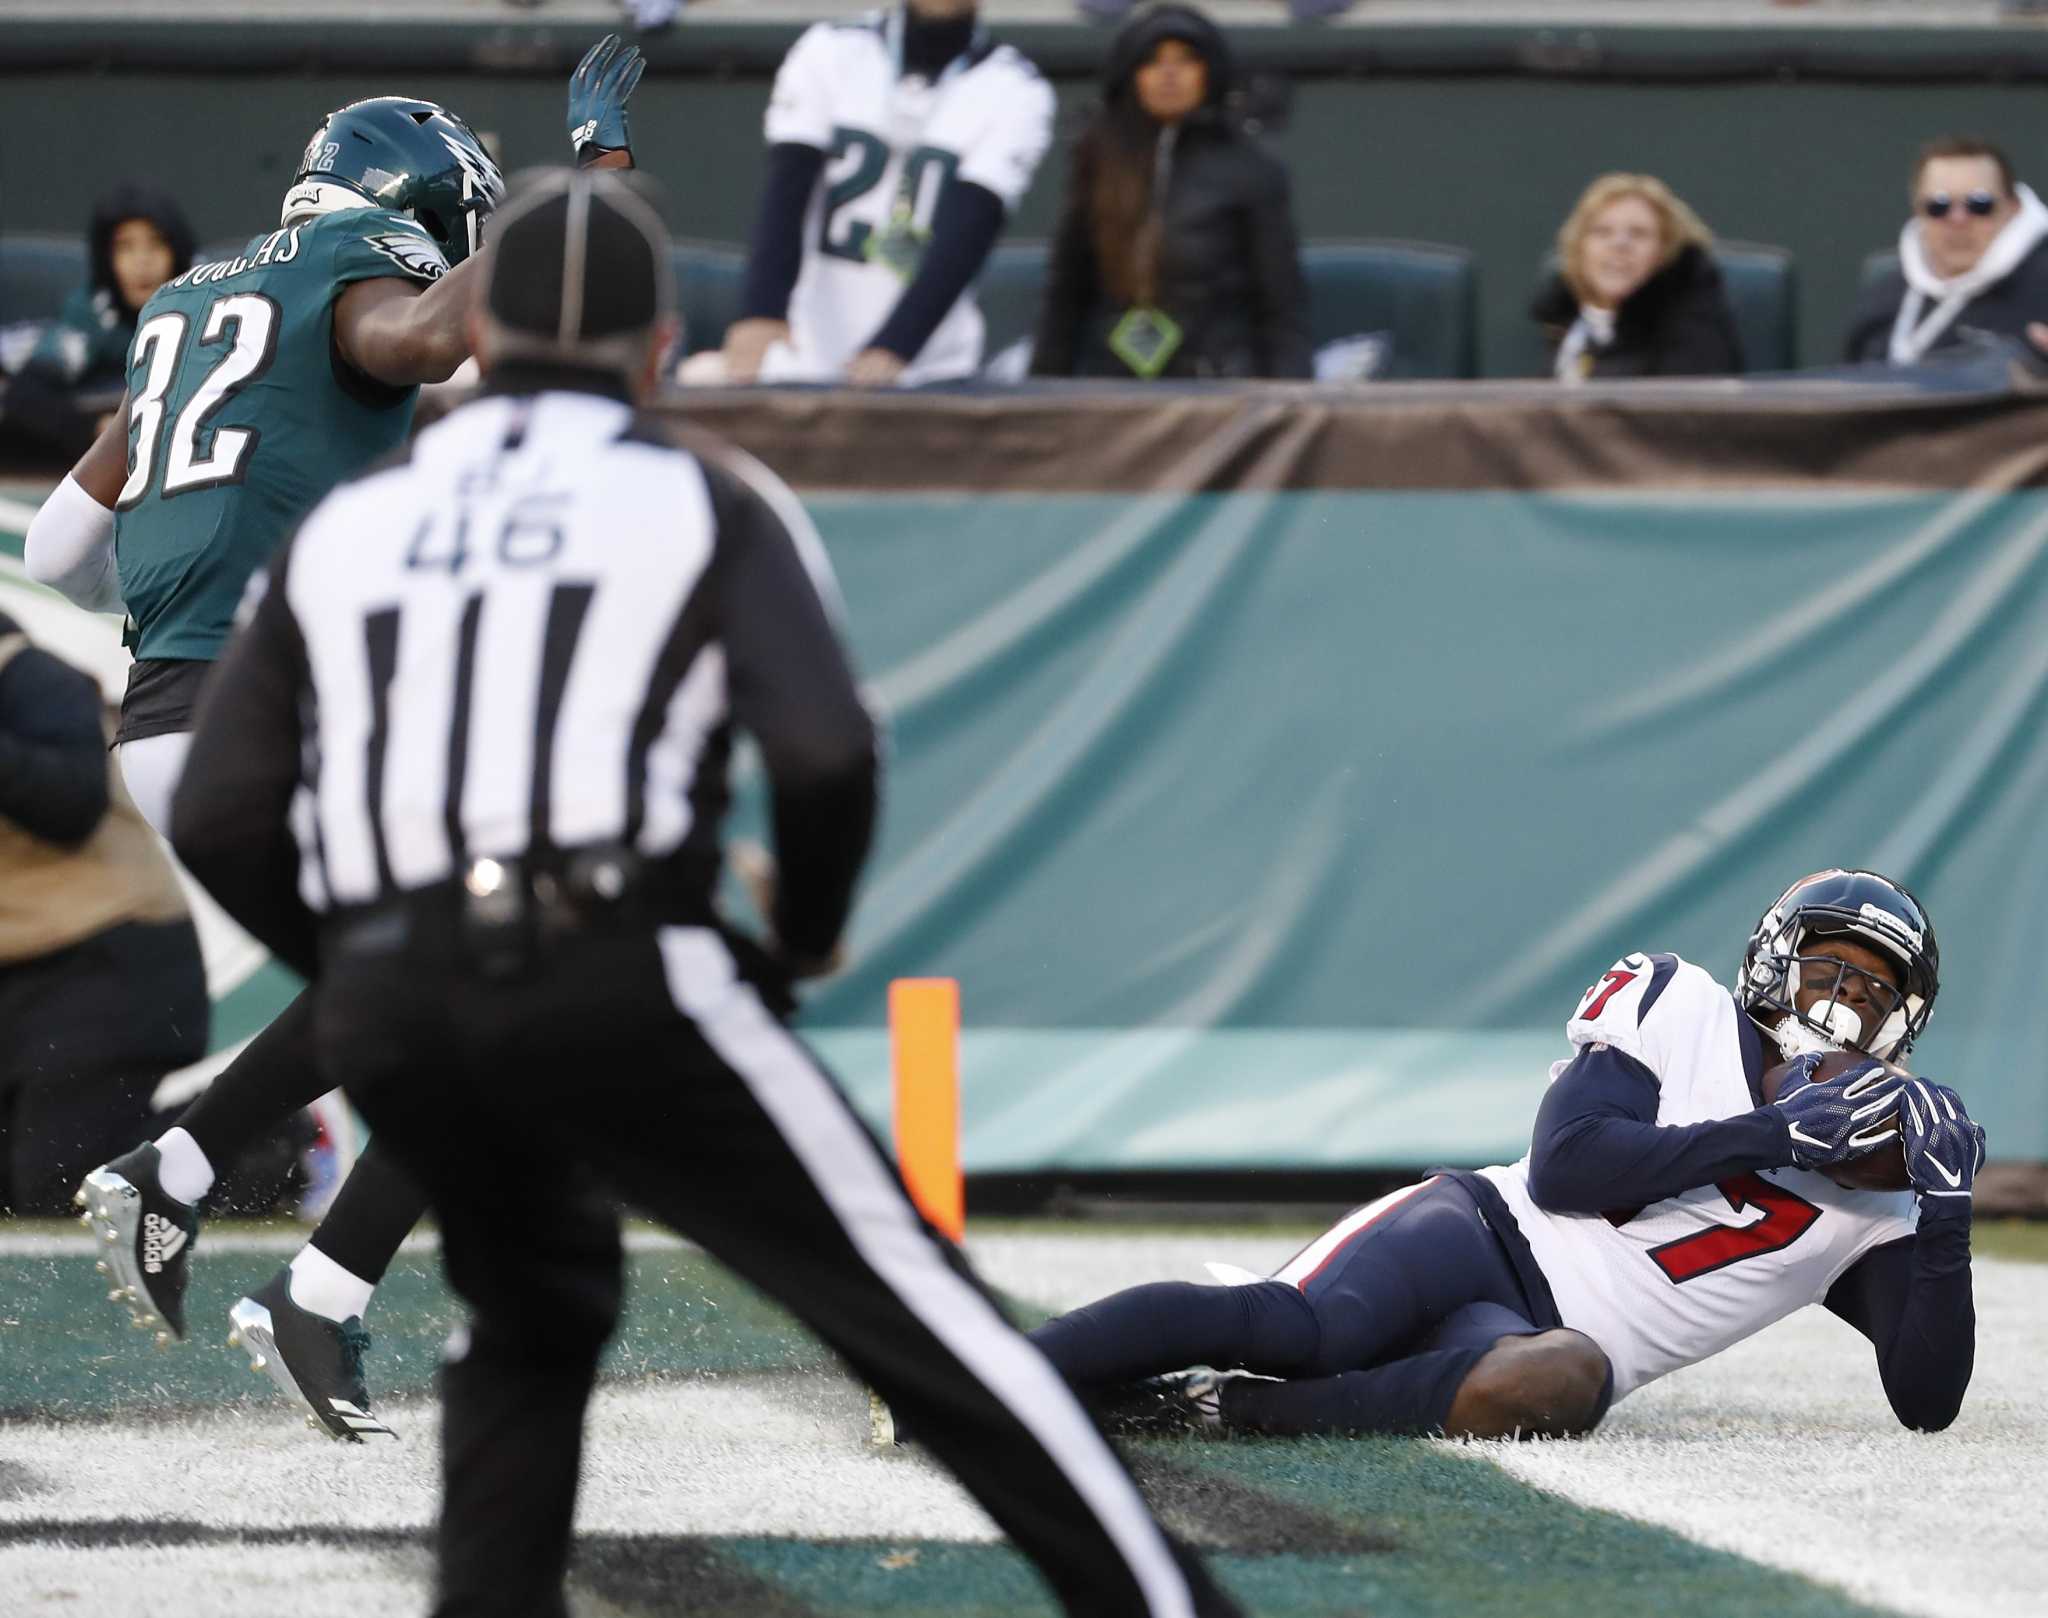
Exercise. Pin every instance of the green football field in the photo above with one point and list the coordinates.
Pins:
(729, 1470)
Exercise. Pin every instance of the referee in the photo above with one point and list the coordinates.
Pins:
(465, 765)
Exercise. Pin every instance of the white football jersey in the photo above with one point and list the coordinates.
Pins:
(891, 140)
(1660, 1287)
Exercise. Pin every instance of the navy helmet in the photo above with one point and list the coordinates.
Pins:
(1866, 909)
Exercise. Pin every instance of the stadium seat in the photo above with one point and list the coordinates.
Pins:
(37, 273)
(1011, 288)
(1876, 267)
(1763, 290)
(710, 277)
(1420, 295)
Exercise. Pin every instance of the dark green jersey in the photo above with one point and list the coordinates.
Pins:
(241, 416)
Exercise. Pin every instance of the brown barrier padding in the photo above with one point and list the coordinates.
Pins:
(1505, 436)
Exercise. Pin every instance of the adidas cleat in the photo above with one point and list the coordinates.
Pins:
(148, 1238)
(309, 1358)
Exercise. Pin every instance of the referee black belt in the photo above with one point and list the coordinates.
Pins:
(503, 914)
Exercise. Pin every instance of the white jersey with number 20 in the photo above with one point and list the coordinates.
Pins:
(1663, 1286)
(890, 144)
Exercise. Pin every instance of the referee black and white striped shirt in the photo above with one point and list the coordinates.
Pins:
(535, 634)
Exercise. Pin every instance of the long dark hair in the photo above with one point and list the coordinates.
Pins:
(1114, 164)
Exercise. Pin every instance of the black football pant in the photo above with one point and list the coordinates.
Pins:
(276, 1074)
(652, 1070)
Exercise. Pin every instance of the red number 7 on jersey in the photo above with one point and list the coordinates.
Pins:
(1787, 1217)
(1616, 981)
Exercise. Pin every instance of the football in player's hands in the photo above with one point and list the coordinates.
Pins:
(1874, 1157)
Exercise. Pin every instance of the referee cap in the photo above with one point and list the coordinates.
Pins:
(579, 270)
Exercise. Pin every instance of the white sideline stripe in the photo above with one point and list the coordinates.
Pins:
(816, 1121)
(1306, 1263)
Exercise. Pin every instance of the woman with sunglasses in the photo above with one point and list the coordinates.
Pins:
(1636, 291)
(1970, 259)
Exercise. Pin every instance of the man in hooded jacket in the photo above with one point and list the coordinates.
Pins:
(1971, 259)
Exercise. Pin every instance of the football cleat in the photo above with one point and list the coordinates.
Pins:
(310, 1358)
(148, 1236)
(1187, 1403)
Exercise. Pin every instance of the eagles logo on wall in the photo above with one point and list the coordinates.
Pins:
(416, 255)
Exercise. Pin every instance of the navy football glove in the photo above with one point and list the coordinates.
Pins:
(598, 92)
(1944, 1145)
(1838, 1118)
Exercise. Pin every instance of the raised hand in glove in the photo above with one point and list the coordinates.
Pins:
(598, 92)
(1944, 1144)
(1834, 1119)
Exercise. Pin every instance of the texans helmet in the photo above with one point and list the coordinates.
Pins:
(413, 157)
(1866, 909)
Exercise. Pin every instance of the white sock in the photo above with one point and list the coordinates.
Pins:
(322, 1287)
(182, 1169)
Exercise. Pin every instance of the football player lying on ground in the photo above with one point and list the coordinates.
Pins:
(1678, 1195)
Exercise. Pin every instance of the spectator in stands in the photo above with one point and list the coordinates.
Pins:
(102, 989)
(897, 145)
(1176, 253)
(1974, 257)
(139, 239)
(1637, 292)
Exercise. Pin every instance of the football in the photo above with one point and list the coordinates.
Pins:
(1881, 1170)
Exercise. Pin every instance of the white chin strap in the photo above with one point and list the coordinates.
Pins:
(310, 198)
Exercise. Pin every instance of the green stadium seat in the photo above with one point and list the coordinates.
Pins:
(37, 273)
(1763, 290)
(710, 279)
(1011, 288)
(1421, 295)
(1876, 267)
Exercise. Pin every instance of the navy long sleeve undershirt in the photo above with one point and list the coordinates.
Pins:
(1912, 1299)
(1598, 1147)
(776, 254)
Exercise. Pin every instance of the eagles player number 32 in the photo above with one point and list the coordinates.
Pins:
(246, 323)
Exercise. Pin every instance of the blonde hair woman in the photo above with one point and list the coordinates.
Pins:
(1637, 292)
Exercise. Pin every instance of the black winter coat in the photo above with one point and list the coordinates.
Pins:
(1229, 260)
(1677, 323)
(2003, 309)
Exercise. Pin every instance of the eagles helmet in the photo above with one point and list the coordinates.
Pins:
(1867, 909)
(413, 157)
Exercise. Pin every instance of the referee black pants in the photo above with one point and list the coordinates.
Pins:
(649, 1068)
